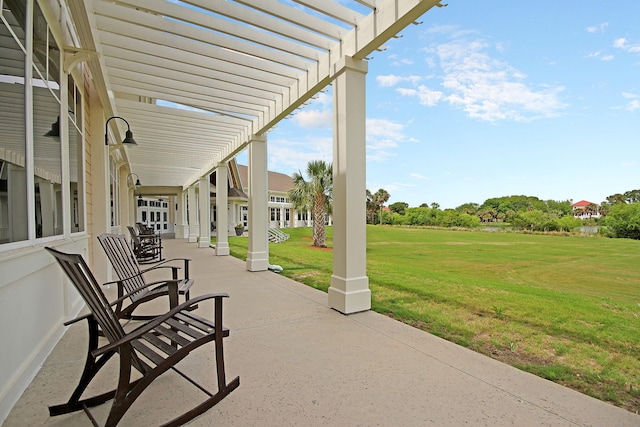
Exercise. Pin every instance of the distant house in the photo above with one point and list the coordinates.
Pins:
(585, 209)
(281, 212)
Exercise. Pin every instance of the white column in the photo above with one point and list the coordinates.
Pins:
(222, 220)
(349, 291)
(127, 198)
(100, 197)
(282, 217)
(192, 207)
(181, 228)
(258, 252)
(204, 199)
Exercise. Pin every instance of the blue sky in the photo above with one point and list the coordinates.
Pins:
(494, 98)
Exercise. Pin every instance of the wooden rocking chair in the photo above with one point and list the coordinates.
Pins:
(132, 278)
(147, 248)
(151, 349)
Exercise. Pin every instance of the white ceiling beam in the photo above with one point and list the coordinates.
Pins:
(183, 81)
(375, 29)
(297, 17)
(270, 73)
(191, 116)
(187, 51)
(334, 10)
(169, 32)
(369, 3)
(178, 97)
(255, 18)
(121, 58)
(210, 22)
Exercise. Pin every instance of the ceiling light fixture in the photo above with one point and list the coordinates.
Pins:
(128, 139)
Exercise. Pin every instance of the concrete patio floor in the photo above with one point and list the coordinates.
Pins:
(303, 364)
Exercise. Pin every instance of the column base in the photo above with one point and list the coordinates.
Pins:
(222, 249)
(181, 231)
(202, 243)
(357, 299)
(257, 261)
(193, 239)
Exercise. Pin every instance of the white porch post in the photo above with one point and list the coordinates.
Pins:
(100, 198)
(258, 252)
(205, 212)
(282, 217)
(181, 228)
(349, 291)
(127, 196)
(222, 220)
(192, 208)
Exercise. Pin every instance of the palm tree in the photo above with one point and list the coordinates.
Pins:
(380, 197)
(316, 195)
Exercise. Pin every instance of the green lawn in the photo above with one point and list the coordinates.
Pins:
(564, 308)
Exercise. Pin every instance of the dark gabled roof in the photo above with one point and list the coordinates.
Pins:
(277, 181)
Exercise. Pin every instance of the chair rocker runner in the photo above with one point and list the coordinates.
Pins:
(152, 349)
(132, 278)
(147, 247)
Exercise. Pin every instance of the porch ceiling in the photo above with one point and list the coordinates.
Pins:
(236, 67)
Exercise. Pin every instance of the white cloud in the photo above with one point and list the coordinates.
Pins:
(429, 97)
(417, 176)
(382, 136)
(633, 105)
(483, 86)
(392, 80)
(622, 43)
(629, 95)
(600, 28)
(314, 119)
(289, 156)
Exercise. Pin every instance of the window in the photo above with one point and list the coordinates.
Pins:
(279, 199)
(76, 157)
(13, 175)
(46, 145)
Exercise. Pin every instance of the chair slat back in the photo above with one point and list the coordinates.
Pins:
(124, 263)
(143, 229)
(82, 278)
(135, 237)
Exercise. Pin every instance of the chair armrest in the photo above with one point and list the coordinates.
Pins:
(77, 319)
(122, 279)
(161, 265)
(139, 288)
(143, 329)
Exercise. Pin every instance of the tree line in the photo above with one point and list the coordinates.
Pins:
(619, 214)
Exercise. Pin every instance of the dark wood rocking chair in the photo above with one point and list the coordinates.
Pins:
(132, 278)
(152, 349)
(143, 230)
(147, 248)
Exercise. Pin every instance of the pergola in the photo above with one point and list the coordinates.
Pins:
(200, 80)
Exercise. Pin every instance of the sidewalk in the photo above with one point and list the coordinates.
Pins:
(303, 364)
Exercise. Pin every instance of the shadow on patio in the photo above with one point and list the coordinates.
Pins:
(302, 363)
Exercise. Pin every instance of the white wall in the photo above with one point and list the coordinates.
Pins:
(35, 300)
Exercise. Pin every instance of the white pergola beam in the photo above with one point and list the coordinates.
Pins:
(334, 10)
(213, 23)
(297, 17)
(166, 35)
(254, 18)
